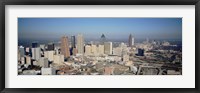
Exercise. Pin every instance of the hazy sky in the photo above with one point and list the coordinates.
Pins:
(92, 28)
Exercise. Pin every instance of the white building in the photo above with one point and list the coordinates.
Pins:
(21, 51)
(94, 49)
(88, 50)
(80, 44)
(36, 53)
(100, 49)
(108, 48)
(49, 55)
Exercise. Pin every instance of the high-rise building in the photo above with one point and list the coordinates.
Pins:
(36, 53)
(21, 51)
(49, 55)
(74, 51)
(34, 45)
(131, 40)
(108, 48)
(73, 42)
(101, 49)
(65, 46)
(80, 44)
(103, 39)
(50, 46)
(88, 50)
(94, 49)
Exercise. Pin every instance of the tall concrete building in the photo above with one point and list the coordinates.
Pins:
(88, 50)
(49, 55)
(21, 51)
(65, 46)
(36, 53)
(100, 49)
(103, 39)
(108, 48)
(80, 44)
(34, 45)
(73, 42)
(50, 46)
(94, 49)
(131, 40)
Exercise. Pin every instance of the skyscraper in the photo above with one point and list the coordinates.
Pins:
(130, 40)
(80, 44)
(103, 39)
(36, 53)
(21, 51)
(34, 44)
(65, 46)
(50, 46)
(108, 48)
(73, 42)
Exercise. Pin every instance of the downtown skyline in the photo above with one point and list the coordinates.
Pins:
(92, 28)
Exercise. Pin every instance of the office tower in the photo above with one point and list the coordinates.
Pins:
(101, 49)
(21, 51)
(73, 42)
(65, 46)
(50, 46)
(58, 59)
(36, 53)
(103, 39)
(80, 44)
(108, 48)
(94, 49)
(34, 45)
(131, 40)
(88, 50)
(49, 55)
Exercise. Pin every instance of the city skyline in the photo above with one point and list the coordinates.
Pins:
(100, 46)
(93, 28)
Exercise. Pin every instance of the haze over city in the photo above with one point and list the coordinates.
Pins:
(99, 46)
(93, 28)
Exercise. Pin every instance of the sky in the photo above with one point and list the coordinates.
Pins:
(93, 28)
